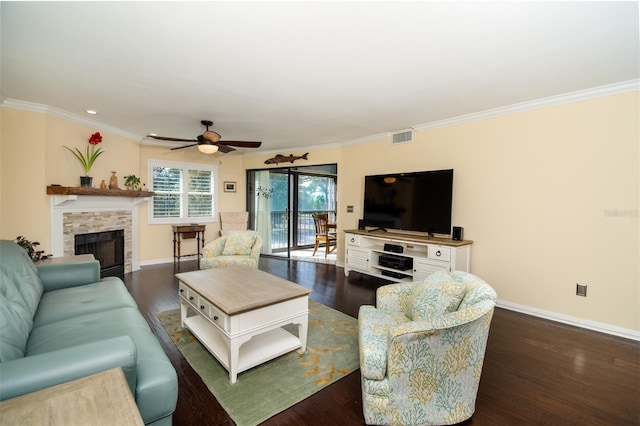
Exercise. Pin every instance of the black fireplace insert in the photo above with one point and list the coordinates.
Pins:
(107, 247)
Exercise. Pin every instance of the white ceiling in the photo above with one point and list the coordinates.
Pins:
(294, 74)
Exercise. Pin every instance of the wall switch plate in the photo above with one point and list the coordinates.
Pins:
(581, 290)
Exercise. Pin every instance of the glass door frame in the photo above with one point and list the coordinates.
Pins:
(291, 211)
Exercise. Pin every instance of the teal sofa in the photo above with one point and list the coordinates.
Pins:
(60, 322)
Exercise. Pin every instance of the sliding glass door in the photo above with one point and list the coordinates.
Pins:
(315, 193)
(281, 202)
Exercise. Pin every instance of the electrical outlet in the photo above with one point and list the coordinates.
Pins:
(349, 209)
(581, 290)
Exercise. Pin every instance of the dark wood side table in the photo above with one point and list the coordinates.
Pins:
(186, 232)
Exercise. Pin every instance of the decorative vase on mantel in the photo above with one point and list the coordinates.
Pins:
(86, 181)
(113, 182)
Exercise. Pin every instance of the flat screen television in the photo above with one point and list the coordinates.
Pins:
(417, 201)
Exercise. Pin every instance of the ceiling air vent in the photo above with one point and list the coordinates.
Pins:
(404, 136)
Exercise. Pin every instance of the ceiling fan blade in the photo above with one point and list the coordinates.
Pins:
(165, 138)
(223, 148)
(241, 144)
(183, 147)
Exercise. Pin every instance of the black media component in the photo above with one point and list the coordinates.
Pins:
(397, 275)
(458, 233)
(400, 263)
(417, 201)
(361, 224)
(393, 248)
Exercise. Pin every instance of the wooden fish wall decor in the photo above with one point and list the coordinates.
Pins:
(283, 159)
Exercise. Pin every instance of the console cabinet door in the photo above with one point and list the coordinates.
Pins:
(422, 268)
(358, 259)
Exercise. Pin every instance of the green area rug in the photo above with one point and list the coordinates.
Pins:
(266, 390)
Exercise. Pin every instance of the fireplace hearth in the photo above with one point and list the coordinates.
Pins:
(107, 247)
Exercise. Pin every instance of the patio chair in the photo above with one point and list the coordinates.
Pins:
(323, 234)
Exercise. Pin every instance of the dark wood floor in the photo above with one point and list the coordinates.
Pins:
(536, 372)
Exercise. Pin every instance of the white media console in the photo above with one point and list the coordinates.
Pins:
(403, 257)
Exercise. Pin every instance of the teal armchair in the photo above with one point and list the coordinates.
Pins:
(422, 349)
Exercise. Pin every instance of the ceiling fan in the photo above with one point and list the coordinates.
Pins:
(209, 142)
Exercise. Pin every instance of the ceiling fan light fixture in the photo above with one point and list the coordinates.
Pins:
(206, 148)
(211, 136)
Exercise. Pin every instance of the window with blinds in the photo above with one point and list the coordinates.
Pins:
(184, 192)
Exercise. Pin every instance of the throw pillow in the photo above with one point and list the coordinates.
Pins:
(437, 295)
(239, 243)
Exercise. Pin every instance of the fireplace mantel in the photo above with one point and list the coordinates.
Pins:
(83, 190)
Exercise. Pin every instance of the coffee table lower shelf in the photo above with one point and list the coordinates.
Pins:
(259, 349)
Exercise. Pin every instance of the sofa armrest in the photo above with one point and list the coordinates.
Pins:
(33, 373)
(61, 275)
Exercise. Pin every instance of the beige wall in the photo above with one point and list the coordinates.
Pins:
(25, 207)
(549, 196)
(535, 191)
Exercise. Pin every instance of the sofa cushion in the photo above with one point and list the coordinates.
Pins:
(57, 305)
(222, 261)
(239, 243)
(15, 322)
(438, 294)
(20, 292)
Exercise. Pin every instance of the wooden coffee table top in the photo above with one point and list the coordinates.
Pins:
(237, 289)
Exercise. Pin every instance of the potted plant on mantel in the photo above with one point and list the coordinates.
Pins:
(91, 156)
(132, 183)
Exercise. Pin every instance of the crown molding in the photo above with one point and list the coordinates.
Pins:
(357, 141)
(25, 106)
(366, 139)
(45, 109)
(299, 148)
(580, 95)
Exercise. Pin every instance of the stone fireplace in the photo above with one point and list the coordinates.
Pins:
(73, 215)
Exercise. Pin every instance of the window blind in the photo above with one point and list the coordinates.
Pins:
(183, 191)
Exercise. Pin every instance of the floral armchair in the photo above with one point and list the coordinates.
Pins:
(233, 248)
(422, 349)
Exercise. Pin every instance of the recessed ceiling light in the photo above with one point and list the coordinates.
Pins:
(91, 111)
(153, 134)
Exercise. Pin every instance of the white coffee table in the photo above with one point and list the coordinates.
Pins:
(237, 313)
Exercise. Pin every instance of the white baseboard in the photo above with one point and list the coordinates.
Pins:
(566, 319)
(167, 260)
